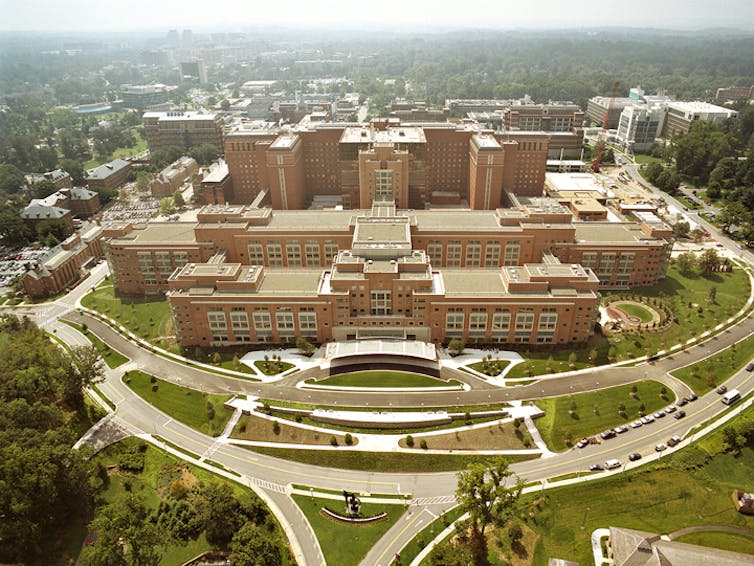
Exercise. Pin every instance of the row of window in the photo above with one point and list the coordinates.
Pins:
(454, 248)
(274, 250)
(261, 322)
(499, 324)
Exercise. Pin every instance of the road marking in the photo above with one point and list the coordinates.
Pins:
(399, 535)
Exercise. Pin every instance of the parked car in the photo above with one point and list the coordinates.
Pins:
(646, 419)
(583, 442)
(659, 414)
(620, 429)
(691, 397)
(675, 439)
(606, 434)
(681, 402)
(750, 366)
(595, 468)
(722, 389)
(671, 409)
(660, 447)
(679, 415)
(612, 464)
(636, 424)
(634, 456)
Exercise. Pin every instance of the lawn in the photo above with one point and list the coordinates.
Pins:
(640, 158)
(385, 379)
(342, 543)
(490, 367)
(676, 492)
(147, 317)
(572, 417)
(705, 375)
(189, 406)
(112, 358)
(381, 461)
(632, 309)
(719, 539)
(123, 152)
(428, 534)
(251, 427)
(272, 367)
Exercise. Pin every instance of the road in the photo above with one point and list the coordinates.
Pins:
(432, 493)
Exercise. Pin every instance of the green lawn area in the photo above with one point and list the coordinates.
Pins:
(427, 535)
(342, 543)
(112, 358)
(632, 309)
(719, 539)
(640, 158)
(705, 375)
(558, 425)
(381, 461)
(189, 406)
(543, 363)
(676, 492)
(139, 146)
(384, 379)
(147, 317)
(685, 295)
(272, 367)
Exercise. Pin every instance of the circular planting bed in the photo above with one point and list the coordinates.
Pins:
(624, 314)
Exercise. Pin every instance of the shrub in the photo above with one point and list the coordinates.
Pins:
(423, 444)
(333, 441)
(276, 428)
(152, 379)
(298, 418)
(349, 439)
(154, 388)
(410, 441)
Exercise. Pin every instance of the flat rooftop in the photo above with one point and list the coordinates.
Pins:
(457, 220)
(484, 283)
(160, 233)
(603, 233)
(400, 134)
(574, 182)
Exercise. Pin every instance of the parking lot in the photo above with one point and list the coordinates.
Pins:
(13, 264)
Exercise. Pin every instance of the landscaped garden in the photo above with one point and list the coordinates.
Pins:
(202, 411)
(344, 543)
(251, 427)
(569, 418)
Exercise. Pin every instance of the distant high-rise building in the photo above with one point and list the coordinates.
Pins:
(187, 39)
(194, 71)
(172, 39)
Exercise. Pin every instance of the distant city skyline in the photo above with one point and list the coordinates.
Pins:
(235, 15)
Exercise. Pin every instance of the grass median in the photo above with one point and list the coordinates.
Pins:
(571, 417)
(344, 543)
(202, 411)
(112, 358)
(376, 379)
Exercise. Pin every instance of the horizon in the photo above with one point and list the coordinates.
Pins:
(82, 16)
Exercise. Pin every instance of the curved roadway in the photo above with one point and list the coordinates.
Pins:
(432, 493)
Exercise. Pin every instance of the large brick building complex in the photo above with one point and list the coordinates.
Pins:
(526, 274)
(431, 162)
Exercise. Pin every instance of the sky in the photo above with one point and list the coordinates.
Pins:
(236, 15)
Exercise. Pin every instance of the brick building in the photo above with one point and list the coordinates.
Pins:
(109, 175)
(182, 129)
(172, 177)
(330, 158)
(526, 274)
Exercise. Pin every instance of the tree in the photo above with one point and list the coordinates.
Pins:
(220, 513)
(13, 230)
(124, 521)
(225, 104)
(167, 206)
(305, 346)
(44, 188)
(55, 229)
(11, 179)
(708, 262)
(252, 546)
(732, 214)
(712, 294)
(484, 493)
(456, 346)
(205, 153)
(686, 263)
(86, 369)
(178, 200)
(681, 229)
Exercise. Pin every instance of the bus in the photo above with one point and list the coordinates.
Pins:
(731, 396)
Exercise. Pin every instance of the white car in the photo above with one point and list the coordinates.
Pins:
(660, 447)
(647, 419)
(636, 424)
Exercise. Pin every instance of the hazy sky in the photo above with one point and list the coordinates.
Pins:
(101, 15)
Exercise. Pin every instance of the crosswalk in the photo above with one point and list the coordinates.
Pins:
(443, 499)
(268, 485)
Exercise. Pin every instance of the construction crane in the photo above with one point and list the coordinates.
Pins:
(603, 133)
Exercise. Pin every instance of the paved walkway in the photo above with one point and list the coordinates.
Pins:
(711, 528)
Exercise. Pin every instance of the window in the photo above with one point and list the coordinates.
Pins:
(501, 325)
(473, 254)
(284, 322)
(311, 249)
(548, 322)
(626, 263)
(218, 325)
(512, 253)
(381, 302)
(256, 253)
(331, 250)
(275, 254)
(454, 253)
(492, 254)
(180, 258)
(477, 323)
(293, 254)
(524, 325)
(454, 319)
(307, 322)
(607, 264)
(434, 250)
(383, 185)
(239, 321)
(589, 259)
(164, 265)
(262, 324)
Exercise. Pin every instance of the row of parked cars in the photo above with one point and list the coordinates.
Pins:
(613, 464)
